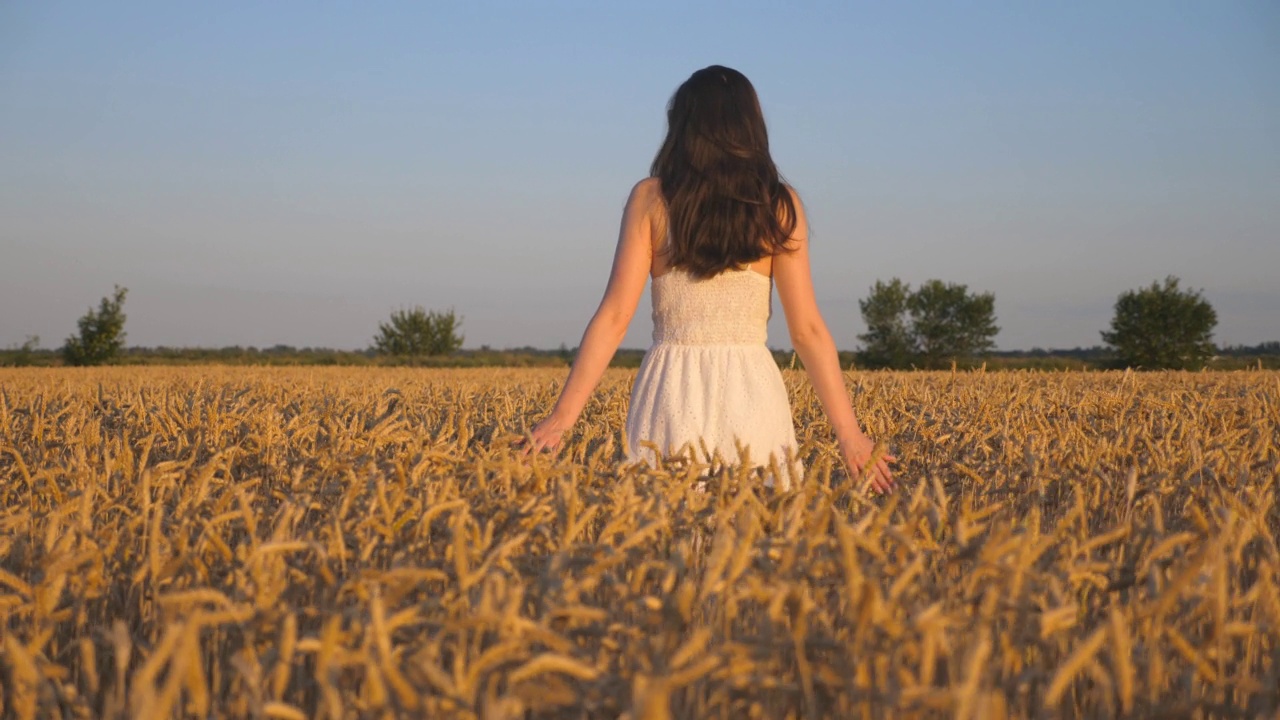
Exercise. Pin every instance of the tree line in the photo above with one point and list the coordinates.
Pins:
(1159, 327)
(935, 325)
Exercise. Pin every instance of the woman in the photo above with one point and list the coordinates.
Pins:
(715, 228)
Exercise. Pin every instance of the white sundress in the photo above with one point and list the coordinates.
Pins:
(709, 379)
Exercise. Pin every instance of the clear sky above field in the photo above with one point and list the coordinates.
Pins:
(290, 172)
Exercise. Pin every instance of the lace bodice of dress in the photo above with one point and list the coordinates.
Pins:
(731, 308)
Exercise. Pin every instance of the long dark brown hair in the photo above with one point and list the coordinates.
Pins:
(726, 203)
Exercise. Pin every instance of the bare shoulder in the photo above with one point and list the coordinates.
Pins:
(647, 208)
(800, 233)
(646, 195)
(797, 201)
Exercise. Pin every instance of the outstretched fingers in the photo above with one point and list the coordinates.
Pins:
(534, 443)
(532, 446)
(878, 476)
(885, 475)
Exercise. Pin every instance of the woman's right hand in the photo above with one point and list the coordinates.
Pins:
(546, 435)
(858, 452)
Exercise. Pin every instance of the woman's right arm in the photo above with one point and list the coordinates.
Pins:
(813, 343)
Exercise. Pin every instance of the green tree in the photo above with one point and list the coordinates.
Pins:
(888, 341)
(101, 333)
(419, 332)
(949, 323)
(930, 327)
(1162, 327)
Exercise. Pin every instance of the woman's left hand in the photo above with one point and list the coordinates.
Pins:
(546, 435)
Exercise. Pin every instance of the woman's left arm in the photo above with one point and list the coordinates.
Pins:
(631, 266)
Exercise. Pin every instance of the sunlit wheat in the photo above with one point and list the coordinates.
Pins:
(343, 543)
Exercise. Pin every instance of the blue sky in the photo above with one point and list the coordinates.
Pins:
(289, 172)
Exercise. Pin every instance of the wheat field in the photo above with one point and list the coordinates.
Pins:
(363, 543)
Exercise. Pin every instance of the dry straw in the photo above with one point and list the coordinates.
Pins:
(344, 543)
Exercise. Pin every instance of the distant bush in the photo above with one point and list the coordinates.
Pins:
(932, 327)
(101, 335)
(417, 332)
(23, 355)
(1162, 327)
